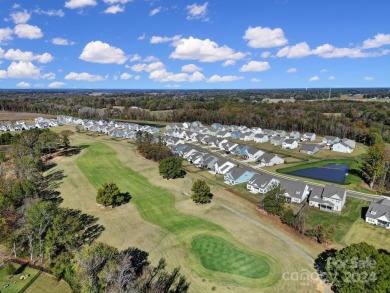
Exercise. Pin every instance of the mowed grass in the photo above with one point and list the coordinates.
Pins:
(15, 288)
(218, 255)
(100, 164)
(46, 283)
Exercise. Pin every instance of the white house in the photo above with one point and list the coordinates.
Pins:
(295, 135)
(379, 213)
(261, 183)
(308, 136)
(295, 191)
(222, 166)
(261, 138)
(253, 154)
(332, 198)
(268, 159)
(289, 144)
(248, 136)
(342, 148)
(309, 148)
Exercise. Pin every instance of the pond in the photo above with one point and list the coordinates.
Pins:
(335, 173)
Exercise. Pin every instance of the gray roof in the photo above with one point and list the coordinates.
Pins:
(349, 142)
(310, 147)
(261, 180)
(252, 150)
(289, 140)
(379, 209)
(331, 191)
(294, 188)
(267, 157)
(237, 172)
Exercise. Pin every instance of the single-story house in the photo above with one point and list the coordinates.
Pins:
(268, 159)
(248, 136)
(277, 140)
(379, 213)
(308, 136)
(289, 144)
(330, 140)
(332, 199)
(223, 165)
(239, 150)
(238, 175)
(295, 135)
(261, 183)
(261, 138)
(253, 154)
(309, 148)
(342, 148)
(280, 133)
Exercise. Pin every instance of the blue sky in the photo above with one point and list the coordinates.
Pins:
(147, 44)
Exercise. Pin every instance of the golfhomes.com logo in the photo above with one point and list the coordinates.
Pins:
(353, 270)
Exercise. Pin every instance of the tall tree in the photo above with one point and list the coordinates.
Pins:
(274, 201)
(201, 192)
(374, 163)
(171, 167)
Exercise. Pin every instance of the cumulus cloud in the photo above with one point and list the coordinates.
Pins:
(291, 70)
(116, 1)
(62, 42)
(50, 12)
(256, 80)
(26, 31)
(297, 51)
(369, 78)
(125, 76)
(203, 50)
(195, 11)
(1, 53)
(314, 78)
(99, 52)
(84, 76)
(142, 37)
(158, 39)
(379, 40)
(5, 34)
(147, 67)
(226, 78)
(18, 55)
(56, 84)
(150, 59)
(255, 66)
(229, 63)
(196, 77)
(162, 75)
(265, 37)
(114, 9)
(23, 84)
(265, 54)
(137, 77)
(20, 16)
(332, 77)
(3, 74)
(191, 68)
(155, 11)
(23, 70)
(49, 75)
(135, 57)
(74, 4)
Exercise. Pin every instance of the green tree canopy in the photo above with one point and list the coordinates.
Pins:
(274, 201)
(171, 167)
(201, 192)
(110, 195)
(374, 163)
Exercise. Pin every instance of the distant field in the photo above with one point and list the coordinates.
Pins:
(13, 116)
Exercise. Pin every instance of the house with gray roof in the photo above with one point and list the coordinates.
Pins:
(260, 138)
(295, 135)
(308, 136)
(222, 166)
(280, 133)
(238, 175)
(332, 199)
(330, 140)
(268, 159)
(379, 213)
(252, 154)
(309, 148)
(261, 183)
(295, 191)
(277, 140)
(289, 144)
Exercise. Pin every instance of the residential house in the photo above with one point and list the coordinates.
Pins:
(295, 135)
(216, 126)
(239, 150)
(295, 191)
(289, 144)
(332, 199)
(222, 166)
(238, 175)
(330, 140)
(227, 146)
(342, 148)
(253, 154)
(269, 132)
(209, 162)
(309, 148)
(268, 159)
(277, 140)
(224, 134)
(280, 133)
(248, 136)
(379, 213)
(261, 138)
(261, 183)
(257, 130)
(236, 134)
(309, 136)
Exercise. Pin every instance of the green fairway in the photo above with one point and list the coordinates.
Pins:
(156, 205)
(218, 255)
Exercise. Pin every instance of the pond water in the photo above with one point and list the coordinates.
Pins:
(335, 173)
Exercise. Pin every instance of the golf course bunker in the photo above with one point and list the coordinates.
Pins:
(219, 255)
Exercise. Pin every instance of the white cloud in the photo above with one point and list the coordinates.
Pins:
(196, 77)
(84, 76)
(314, 78)
(23, 84)
(23, 69)
(297, 51)
(51, 12)
(3, 74)
(203, 50)
(379, 40)
(191, 68)
(369, 78)
(99, 52)
(150, 59)
(5, 34)
(116, 1)
(114, 9)
(148, 67)
(229, 63)
(155, 11)
(265, 37)
(142, 37)
(195, 11)
(256, 80)
(56, 84)
(62, 42)
(162, 75)
(18, 55)
(1, 53)
(158, 40)
(20, 16)
(255, 66)
(291, 70)
(332, 77)
(137, 77)
(226, 78)
(74, 4)
(324, 70)
(26, 31)
(125, 76)
(49, 75)
(135, 57)
(265, 54)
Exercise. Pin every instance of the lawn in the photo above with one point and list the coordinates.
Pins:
(14, 288)
(218, 255)
(46, 283)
